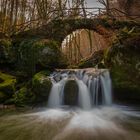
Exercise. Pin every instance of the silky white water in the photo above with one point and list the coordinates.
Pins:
(55, 98)
(104, 123)
(84, 96)
(94, 117)
(106, 87)
(94, 88)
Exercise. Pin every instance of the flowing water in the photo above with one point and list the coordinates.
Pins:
(94, 117)
(94, 88)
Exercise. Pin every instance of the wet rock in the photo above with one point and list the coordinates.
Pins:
(5, 51)
(7, 86)
(23, 97)
(57, 77)
(124, 60)
(41, 87)
(71, 93)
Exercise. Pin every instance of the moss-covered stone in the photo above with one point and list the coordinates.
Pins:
(41, 86)
(126, 84)
(71, 93)
(60, 28)
(7, 84)
(51, 56)
(123, 58)
(36, 54)
(2, 97)
(23, 97)
(5, 51)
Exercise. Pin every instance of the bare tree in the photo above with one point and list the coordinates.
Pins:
(19, 15)
(106, 4)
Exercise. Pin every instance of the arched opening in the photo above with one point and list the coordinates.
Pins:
(82, 44)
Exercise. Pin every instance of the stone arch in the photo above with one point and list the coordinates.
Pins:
(58, 29)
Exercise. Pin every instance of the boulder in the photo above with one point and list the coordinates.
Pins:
(36, 54)
(41, 86)
(23, 97)
(123, 58)
(7, 86)
(2, 97)
(71, 93)
(5, 51)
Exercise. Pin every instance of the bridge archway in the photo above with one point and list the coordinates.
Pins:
(58, 29)
(82, 44)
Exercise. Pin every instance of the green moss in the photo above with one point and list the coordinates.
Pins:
(123, 59)
(41, 86)
(8, 84)
(5, 51)
(33, 55)
(27, 56)
(23, 97)
(85, 64)
(125, 84)
(51, 56)
(2, 97)
(1, 80)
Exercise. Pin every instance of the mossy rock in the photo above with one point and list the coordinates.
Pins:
(23, 97)
(2, 97)
(7, 85)
(123, 59)
(5, 51)
(71, 93)
(51, 56)
(41, 86)
(33, 55)
(125, 84)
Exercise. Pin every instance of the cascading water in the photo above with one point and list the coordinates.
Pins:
(56, 94)
(106, 88)
(94, 88)
(84, 95)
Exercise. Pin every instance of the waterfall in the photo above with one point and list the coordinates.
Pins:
(84, 95)
(56, 94)
(106, 88)
(94, 88)
(54, 99)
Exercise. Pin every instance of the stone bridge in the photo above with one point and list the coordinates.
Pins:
(58, 29)
(62, 25)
